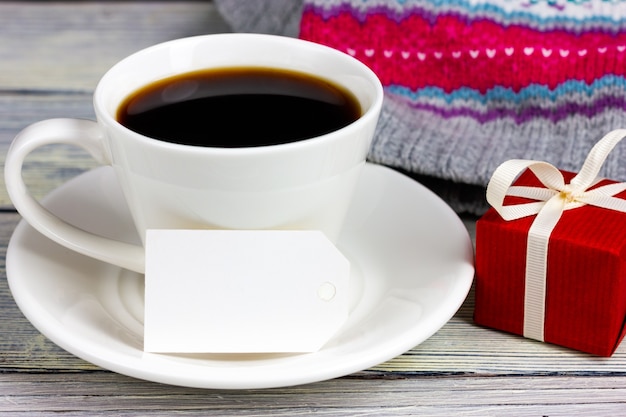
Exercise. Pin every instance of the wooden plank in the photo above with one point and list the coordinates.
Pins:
(53, 55)
(343, 396)
(56, 46)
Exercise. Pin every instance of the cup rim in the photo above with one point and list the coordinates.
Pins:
(373, 110)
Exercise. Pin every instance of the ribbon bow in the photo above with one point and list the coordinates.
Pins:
(549, 204)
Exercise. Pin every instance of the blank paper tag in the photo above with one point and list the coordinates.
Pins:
(242, 291)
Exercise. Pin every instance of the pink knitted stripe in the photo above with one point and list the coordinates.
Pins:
(452, 53)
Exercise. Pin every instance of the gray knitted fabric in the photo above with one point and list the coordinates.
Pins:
(276, 17)
(457, 154)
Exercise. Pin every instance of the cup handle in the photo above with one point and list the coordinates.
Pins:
(89, 136)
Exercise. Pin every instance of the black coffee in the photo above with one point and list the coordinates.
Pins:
(238, 107)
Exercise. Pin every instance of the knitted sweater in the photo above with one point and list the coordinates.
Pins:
(470, 83)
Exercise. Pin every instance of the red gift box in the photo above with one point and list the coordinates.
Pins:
(584, 292)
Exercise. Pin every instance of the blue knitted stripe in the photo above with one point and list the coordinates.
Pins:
(545, 15)
(503, 94)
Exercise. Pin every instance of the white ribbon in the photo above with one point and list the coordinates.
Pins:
(549, 204)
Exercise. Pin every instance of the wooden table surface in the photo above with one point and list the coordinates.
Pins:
(51, 57)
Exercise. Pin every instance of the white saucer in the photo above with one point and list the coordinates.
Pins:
(412, 263)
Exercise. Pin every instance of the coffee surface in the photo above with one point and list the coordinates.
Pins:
(238, 107)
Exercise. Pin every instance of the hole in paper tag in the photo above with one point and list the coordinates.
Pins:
(232, 291)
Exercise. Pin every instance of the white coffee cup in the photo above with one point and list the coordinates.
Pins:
(304, 185)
